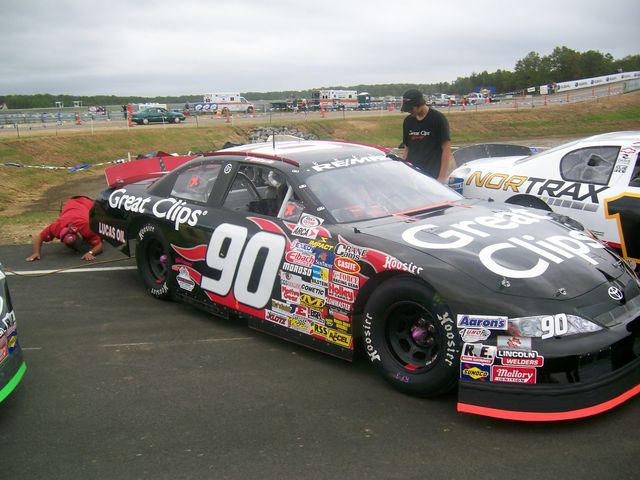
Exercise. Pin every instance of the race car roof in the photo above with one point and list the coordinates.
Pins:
(306, 152)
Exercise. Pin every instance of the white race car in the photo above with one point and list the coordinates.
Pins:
(595, 181)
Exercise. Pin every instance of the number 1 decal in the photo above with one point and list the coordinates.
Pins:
(256, 263)
(625, 208)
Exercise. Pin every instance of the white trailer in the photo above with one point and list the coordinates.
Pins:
(227, 102)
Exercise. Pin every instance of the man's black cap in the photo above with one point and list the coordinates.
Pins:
(412, 98)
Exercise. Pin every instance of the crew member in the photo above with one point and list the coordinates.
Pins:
(425, 134)
(72, 228)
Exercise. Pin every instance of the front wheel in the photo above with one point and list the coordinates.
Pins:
(145, 121)
(411, 338)
(154, 261)
(176, 120)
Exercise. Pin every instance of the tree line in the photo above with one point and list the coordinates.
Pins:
(563, 64)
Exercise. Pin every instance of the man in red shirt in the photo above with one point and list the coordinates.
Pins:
(72, 228)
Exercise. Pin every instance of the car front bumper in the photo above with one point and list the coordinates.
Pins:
(550, 402)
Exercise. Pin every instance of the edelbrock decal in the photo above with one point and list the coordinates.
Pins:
(555, 249)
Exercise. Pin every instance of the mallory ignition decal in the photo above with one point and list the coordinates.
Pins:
(555, 249)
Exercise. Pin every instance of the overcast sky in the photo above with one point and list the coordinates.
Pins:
(159, 47)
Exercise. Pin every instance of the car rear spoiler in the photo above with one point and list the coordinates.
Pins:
(144, 168)
(488, 150)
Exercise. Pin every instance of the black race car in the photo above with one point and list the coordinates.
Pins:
(325, 242)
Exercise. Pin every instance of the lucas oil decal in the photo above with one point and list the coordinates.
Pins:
(542, 251)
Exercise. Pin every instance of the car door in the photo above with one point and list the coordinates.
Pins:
(622, 202)
(236, 255)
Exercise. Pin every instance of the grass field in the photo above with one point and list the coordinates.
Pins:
(31, 197)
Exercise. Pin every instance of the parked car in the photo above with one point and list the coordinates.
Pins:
(157, 115)
(441, 100)
(328, 243)
(595, 180)
(12, 365)
(474, 98)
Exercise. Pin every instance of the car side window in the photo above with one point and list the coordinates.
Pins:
(635, 175)
(264, 191)
(589, 165)
(196, 183)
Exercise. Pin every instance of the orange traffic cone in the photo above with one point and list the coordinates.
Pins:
(78, 118)
(228, 120)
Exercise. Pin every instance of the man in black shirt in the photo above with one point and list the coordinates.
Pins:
(426, 137)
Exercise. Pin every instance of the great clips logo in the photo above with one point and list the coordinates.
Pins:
(170, 209)
(535, 255)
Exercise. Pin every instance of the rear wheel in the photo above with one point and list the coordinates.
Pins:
(411, 338)
(176, 120)
(145, 121)
(154, 261)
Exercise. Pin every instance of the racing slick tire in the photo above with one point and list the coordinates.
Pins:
(411, 338)
(153, 259)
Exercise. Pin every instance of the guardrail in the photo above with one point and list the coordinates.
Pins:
(50, 121)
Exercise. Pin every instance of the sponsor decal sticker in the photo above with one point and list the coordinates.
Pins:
(296, 269)
(274, 317)
(341, 292)
(346, 279)
(473, 371)
(289, 294)
(320, 275)
(339, 338)
(514, 343)
(478, 353)
(483, 321)
(350, 251)
(311, 301)
(513, 375)
(299, 324)
(184, 280)
(309, 221)
(471, 335)
(4, 352)
(111, 232)
(520, 358)
(346, 265)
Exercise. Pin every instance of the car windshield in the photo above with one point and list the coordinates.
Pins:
(374, 190)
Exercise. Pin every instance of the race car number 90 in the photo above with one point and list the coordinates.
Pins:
(256, 262)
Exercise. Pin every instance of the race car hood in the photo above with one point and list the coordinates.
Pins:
(510, 250)
(493, 162)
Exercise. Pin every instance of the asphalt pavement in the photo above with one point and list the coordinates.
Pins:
(122, 386)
